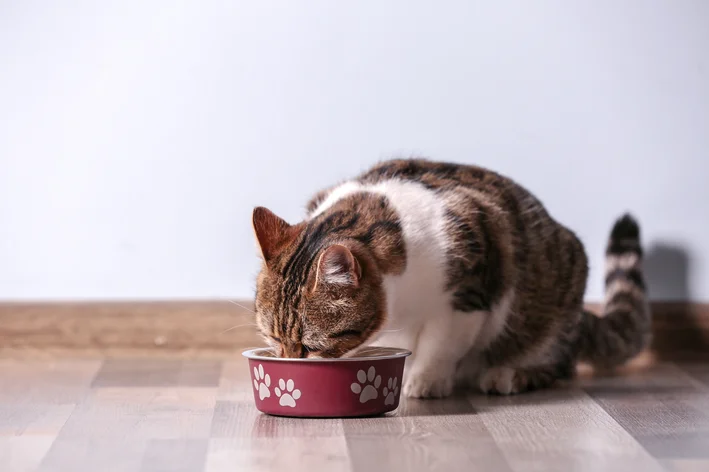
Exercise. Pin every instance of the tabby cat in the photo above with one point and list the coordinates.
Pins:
(460, 265)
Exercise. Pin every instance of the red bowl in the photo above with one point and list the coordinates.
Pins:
(364, 385)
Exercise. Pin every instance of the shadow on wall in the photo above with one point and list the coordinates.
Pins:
(667, 275)
(667, 272)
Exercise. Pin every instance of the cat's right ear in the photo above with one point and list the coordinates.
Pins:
(272, 232)
(339, 267)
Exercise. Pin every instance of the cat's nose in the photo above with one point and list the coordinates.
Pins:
(294, 350)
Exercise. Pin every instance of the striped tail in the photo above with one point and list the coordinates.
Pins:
(625, 327)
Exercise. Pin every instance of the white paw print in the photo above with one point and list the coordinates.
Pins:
(369, 391)
(261, 382)
(390, 391)
(287, 395)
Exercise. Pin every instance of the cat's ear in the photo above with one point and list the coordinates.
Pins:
(272, 232)
(338, 266)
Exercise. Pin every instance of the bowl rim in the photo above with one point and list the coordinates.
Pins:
(396, 353)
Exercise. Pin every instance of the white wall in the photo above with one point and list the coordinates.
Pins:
(136, 137)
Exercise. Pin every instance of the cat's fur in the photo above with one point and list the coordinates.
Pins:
(456, 263)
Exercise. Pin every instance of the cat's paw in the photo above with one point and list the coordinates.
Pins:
(508, 381)
(429, 384)
(500, 380)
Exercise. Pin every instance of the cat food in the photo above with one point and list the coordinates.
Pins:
(364, 385)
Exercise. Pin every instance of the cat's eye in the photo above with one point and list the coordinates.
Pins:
(346, 333)
(276, 339)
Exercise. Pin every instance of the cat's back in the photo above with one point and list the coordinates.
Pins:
(440, 204)
(434, 175)
(420, 179)
(482, 232)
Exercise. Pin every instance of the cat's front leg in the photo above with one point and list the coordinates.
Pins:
(443, 341)
(436, 381)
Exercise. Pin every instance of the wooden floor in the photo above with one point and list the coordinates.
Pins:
(148, 414)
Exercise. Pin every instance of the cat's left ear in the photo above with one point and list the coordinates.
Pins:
(272, 232)
(338, 266)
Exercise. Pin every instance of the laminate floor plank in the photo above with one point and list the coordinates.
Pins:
(88, 454)
(277, 454)
(662, 407)
(242, 419)
(151, 413)
(234, 383)
(158, 373)
(175, 455)
(62, 381)
(33, 419)
(245, 439)
(23, 453)
(424, 435)
(560, 429)
(686, 465)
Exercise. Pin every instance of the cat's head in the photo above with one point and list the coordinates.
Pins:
(316, 296)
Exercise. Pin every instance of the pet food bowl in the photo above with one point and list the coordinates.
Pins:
(363, 385)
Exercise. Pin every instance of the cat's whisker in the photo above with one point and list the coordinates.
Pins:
(239, 326)
(242, 306)
(367, 349)
(269, 349)
(391, 330)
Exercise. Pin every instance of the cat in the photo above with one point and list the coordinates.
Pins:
(456, 263)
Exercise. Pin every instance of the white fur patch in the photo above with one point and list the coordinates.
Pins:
(337, 194)
(418, 292)
(497, 319)
(623, 262)
(498, 380)
(622, 286)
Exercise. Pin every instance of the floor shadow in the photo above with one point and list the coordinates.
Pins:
(470, 402)
(454, 405)
(676, 329)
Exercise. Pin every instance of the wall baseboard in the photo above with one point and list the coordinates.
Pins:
(223, 329)
(190, 328)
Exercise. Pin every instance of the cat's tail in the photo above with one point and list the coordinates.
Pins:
(624, 329)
